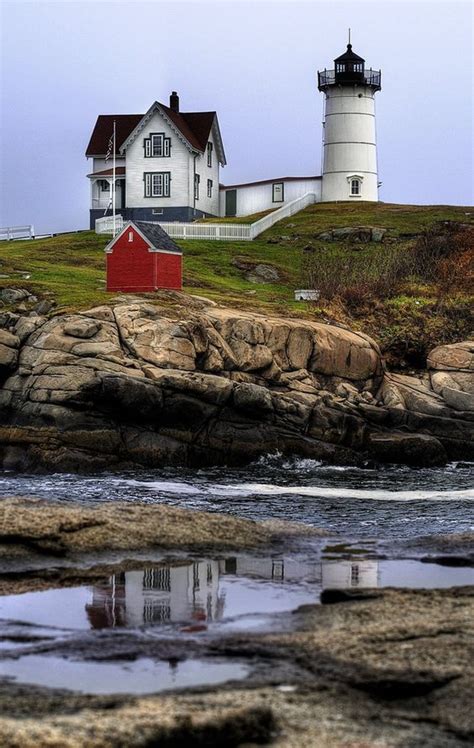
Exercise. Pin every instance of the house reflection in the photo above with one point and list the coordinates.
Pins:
(188, 591)
(349, 573)
(166, 593)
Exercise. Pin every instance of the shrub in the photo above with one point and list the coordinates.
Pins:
(442, 256)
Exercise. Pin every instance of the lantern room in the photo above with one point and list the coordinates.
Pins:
(349, 67)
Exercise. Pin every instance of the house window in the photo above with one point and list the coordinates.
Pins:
(209, 187)
(277, 192)
(209, 154)
(130, 236)
(104, 185)
(197, 180)
(157, 146)
(355, 187)
(157, 183)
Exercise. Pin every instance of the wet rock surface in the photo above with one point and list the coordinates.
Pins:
(136, 384)
(366, 666)
(393, 668)
(34, 528)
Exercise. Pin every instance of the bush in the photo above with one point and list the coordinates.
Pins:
(442, 256)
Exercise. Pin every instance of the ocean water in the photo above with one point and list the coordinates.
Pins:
(374, 502)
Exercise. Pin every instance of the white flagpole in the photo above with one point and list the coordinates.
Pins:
(113, 187)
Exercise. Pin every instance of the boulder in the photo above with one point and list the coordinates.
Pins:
(82, 328)
(13, 295)
(409, 449)
(457, 357)
(207, 385)
(252, 398)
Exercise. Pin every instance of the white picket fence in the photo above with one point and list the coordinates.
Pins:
(218, 231)
(16, 232)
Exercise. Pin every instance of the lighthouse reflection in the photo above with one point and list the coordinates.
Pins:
(198, 592)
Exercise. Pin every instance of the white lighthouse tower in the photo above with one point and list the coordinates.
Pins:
(349, 147)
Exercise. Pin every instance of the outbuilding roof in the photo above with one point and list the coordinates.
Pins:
(157, 236)
(152, 233)
(267, 181)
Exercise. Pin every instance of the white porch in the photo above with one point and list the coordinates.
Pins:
(101, 189)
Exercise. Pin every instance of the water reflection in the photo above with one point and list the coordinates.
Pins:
(236, 593)
(160, 594)
(194, 591)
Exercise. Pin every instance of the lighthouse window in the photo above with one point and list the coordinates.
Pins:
(355, 187)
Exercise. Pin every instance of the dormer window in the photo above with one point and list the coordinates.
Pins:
(157, 146)
(209, 154)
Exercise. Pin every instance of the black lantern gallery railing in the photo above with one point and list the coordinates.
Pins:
(367, 78)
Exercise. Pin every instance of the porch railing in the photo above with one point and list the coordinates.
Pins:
(105, 225)
(218, 231)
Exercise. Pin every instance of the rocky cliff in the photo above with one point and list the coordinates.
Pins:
(136, 383)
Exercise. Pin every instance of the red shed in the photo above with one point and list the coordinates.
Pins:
(142, 257)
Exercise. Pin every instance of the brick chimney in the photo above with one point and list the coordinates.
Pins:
(174, 101)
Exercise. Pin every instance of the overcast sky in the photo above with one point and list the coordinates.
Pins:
(63, 63)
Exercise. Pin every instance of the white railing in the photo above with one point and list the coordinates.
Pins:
(218, 231)
(284, 212)
(105, 225)
(16, 232)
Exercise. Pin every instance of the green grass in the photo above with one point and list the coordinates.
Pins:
(398, 219)
(238, 219)
(68, 268)
(71, 268)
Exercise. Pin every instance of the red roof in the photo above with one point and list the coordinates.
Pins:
(119, 171)
(195, 126)
(104, 128)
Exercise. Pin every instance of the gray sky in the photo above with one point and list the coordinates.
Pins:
(63, 63)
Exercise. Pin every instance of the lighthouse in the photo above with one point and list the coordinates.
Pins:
(349, 144)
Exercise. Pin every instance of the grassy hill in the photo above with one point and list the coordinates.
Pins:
(407, 316)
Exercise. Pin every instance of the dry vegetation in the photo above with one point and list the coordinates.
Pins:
(418, 294)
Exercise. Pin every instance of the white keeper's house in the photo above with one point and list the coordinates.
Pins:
(167, 165)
